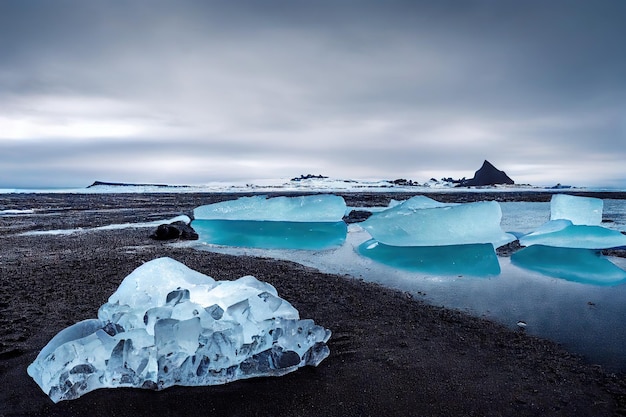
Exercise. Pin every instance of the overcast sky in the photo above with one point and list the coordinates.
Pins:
(189, 92)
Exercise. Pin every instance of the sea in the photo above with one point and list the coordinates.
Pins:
(588, 319)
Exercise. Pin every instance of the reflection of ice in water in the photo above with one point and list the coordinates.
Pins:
(475, 259)
(574, 264)
(586, 319)
(271, 234)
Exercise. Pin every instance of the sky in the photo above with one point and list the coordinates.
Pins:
(192, 92)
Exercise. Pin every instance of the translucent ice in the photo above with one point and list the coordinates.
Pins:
(169, 325)
(313, 208)
(307, 222)
(421, 221)
(475, 260)
(579, 210)
(579, 265)
(575, 223)
(271, 234)
(564, 234)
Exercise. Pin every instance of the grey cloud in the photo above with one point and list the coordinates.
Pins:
(385, 87)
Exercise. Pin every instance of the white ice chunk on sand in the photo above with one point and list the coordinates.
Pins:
(169, 325)
(421, 221)
(575, 223)
(579, 210)
(313, 208)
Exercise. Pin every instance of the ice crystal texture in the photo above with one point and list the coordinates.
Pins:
(170, 325)
(421, 221)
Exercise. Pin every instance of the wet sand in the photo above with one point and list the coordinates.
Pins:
(391, 355)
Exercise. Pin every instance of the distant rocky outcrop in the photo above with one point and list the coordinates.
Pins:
(127, 184)
(487, 175)
(405, 183)
(308, 177)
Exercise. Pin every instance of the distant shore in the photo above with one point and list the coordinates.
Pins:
(391, 355)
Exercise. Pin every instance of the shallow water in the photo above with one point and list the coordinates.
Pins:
(586, 319)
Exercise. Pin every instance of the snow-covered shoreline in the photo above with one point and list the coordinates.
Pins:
(304, 185)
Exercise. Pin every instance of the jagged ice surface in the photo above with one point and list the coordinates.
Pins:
(314, 208)
(421, 221)
(169, 325)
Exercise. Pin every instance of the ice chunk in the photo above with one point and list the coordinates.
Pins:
(579, 210)
(308, 222)
(271, 234)
(475, 260)
(564, 234)
(579, 265)
(169, 325)
(419, 222)
(312, 208)
(575, 223)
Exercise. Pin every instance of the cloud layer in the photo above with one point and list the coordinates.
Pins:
(192, 92)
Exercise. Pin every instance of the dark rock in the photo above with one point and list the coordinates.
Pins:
(307, 177)
(357, 216)
(128, 184)
(176, 230)
(508, 249)
(559, 186)
(405, 183)
(487, 175)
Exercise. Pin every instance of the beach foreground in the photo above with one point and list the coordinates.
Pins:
(391, 355)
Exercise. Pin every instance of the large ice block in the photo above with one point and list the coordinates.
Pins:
(564, 234)
(418, 222)
(572, 264)
(476, 260)
(579, 210)
(309, 222)
(311, 208)
(169, 325)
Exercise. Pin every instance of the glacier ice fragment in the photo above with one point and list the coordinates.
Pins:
(564, 234)
(312, 208)
(572, 264)
(421, 221)
(574, 223)
(579, 210)
(169, 325)
(307, 222)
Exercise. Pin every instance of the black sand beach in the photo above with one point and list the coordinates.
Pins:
(391, 355)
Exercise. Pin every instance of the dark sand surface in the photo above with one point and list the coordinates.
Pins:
(391, 355)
